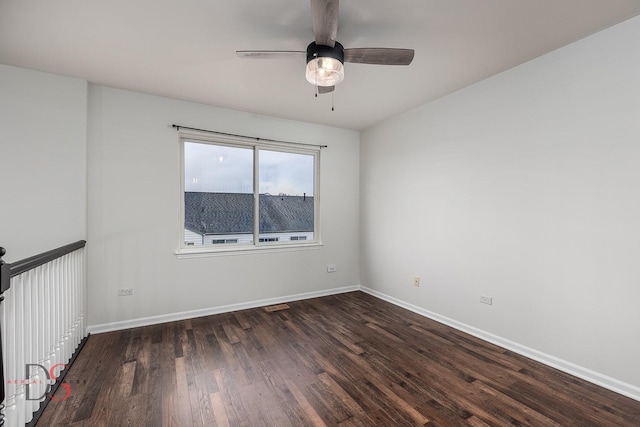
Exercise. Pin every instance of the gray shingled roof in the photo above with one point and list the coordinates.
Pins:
(232, 213)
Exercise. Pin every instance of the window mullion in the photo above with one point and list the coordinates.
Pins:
(256, 197)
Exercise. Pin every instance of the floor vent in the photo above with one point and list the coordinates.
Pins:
(277, 307)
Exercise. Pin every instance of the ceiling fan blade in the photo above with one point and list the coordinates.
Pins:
(269, 54)
(325, 89)
(379, 56)
(324, 15)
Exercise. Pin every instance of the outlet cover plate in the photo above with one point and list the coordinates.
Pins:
(486, 300)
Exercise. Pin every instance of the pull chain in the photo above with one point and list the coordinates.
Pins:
(332, 92)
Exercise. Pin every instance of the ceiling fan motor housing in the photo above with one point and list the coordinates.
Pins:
(320, 51)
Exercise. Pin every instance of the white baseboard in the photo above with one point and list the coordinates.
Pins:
(597, 378)
(164, 318)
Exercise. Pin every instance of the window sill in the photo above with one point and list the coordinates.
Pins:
(204, 252)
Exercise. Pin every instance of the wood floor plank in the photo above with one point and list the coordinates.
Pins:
(312, 416)
(524, 414)
(183, 410)
(219, 413)
(349, 360)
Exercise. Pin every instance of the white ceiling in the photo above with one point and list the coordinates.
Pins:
(186, 49)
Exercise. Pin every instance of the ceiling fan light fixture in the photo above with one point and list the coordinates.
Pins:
(325, 65)
(325, 71)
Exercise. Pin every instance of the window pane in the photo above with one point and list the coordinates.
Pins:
(218, 197)
(286, 196)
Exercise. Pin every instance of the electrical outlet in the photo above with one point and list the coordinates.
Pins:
(486, 300)
(331, 268)
(416, 281)
(127, 292)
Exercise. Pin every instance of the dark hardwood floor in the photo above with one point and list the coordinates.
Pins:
(348, 359)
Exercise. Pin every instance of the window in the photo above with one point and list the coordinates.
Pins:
(244, 195)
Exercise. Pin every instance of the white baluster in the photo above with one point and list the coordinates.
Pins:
(33, 357)
(10, 374)
(42, 349)
(20, 337)
(10, 412)
(80, 301)
(3, 343)
(6, 313)
(62, 286)
(49, 327)
(57, 300)
(63, 312)
(68, 322)
(78, 306)
(71, 307)
(27, 279)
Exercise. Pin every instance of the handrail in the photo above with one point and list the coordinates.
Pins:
(19, 267)
(27, 264)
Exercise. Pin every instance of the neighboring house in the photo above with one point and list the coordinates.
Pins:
(218, 218)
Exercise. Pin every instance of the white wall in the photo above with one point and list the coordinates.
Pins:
(43, 127)
(524, 187)
(133, 205)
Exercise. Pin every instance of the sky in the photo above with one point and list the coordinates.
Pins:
(223, 169)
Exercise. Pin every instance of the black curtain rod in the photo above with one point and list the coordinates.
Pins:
(178, 127)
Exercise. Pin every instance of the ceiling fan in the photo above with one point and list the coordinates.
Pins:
(325, 56)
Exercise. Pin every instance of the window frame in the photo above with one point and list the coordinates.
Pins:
(189, 251)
